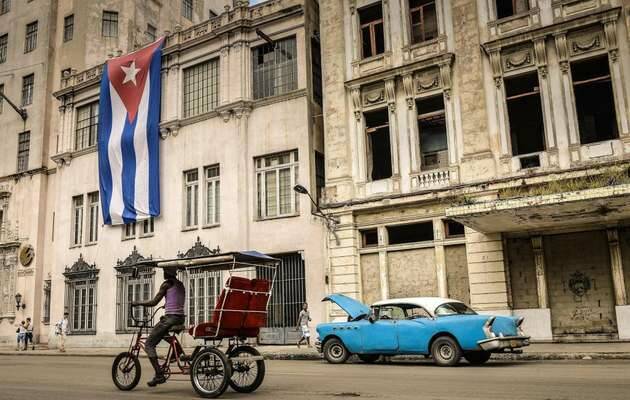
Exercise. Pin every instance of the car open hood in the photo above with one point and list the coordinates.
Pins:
(354, 308)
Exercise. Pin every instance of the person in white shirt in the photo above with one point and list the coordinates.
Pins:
(63, 332)
(29, 334)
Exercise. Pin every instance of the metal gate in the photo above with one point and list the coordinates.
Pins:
(289, 293)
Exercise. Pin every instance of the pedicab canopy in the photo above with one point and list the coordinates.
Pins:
(215, 262)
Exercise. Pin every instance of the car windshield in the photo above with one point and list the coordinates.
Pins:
(453, 309)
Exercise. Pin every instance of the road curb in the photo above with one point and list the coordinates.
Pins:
(312, 356)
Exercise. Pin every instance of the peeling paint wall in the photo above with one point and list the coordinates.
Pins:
(412, 273)
(370, 280)
(457, 273)
(522, 273)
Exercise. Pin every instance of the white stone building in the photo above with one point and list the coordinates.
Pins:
(478, 149)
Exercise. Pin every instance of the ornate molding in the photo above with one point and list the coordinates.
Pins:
(495, 63)
(390, 93)
(62, 159)
(407, 80)
(610, 30)
(81, 270)
(199, 250)
(132, 259)
(540, 50)
(169, 128)
(356, 101)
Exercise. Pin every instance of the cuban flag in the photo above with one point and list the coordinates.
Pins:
(128, 136)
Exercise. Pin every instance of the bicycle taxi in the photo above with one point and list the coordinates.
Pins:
(239, 313)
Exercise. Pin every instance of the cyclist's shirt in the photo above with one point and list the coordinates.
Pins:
(175, 298)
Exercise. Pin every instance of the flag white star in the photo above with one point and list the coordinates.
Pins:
(130, 73)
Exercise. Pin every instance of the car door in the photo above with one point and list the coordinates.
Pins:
(415, 330)
(379, 335)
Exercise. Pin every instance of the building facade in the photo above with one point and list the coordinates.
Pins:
(41, 42)
(240, 127)
(478, 149)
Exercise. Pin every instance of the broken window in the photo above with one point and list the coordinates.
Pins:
(379, 152)
(432, 128)
(423, 20)
(453, 229)
(419, 232)
(372, 34)
(594, 101)
(507, 8)
(369, 238)
(527, 129)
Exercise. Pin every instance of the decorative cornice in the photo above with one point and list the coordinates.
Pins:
(81, 270)
(199, 250)
(131, 260)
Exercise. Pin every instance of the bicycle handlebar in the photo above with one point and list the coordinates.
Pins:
(142, 321)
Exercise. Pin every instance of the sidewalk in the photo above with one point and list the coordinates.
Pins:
(539, 351)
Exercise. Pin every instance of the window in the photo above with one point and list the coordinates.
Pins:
(151, 33)
(213, 195)
(148, 227)
(201, 88)
(507, 8)
(202, 292)
(372, 34)
(432, 128)
(82, 296)
(453, 309)
(453, 229)
(24, 144)
(110, 24)
(187, 9)
(4, 43)
(390, 312)
(129, 231)
(275, 68)
(27, 89)
(379, 157)
(316, 60)
(424, 24)
(419, 232)
(77, 220)
(1, 98)
(369, 238)
(93, 205)
(87, 126)
(46, 305)
(191, 198)
(275, 177)
(524, 107)
(320, 175)
(30, 42)
(68, 28)
(5, 6)
(594, 101)
(130, 289)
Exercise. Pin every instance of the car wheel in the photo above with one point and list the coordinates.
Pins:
(477, 357)
(445, 351)
(335, 352)
(369, 358)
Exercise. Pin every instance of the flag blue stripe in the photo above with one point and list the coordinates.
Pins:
(129, 171)
(153, 132)
(104, 131)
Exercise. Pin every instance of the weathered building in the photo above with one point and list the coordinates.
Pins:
(41, 42)
(241, 126)
(478, 150)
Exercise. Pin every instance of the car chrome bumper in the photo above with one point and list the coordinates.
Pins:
(318, 346)
(503, 343)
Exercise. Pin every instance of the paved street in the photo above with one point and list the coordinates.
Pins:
(53, 378)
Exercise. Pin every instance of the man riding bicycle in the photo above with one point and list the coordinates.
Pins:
(172, 289)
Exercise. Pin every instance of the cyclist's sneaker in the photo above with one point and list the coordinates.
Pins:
(156, 380)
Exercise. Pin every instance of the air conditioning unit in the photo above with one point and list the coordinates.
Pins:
(435, 160)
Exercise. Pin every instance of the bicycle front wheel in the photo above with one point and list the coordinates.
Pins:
(210, 373)
(126, 371)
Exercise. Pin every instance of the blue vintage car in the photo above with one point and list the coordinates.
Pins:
(443, 329)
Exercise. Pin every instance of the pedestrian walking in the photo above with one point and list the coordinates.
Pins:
(21, 331)
(29, 334)
(302, 324)
(61, 329)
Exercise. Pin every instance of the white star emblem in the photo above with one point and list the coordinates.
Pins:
(130, 73)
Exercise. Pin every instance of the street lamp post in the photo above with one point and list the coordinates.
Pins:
(330, 221)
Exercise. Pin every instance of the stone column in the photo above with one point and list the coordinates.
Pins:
(610, 29)
(412, 123)
(390, 95)
(541, 279)
(440, 258)
(567, 92)
(617, 267)
(383, 263)
(546, 96)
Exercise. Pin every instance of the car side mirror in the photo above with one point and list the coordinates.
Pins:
(372, 316)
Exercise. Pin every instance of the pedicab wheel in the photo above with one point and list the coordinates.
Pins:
(126, 371)
(210, 372)
(247, 375)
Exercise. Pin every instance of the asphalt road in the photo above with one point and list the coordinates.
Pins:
(79, 378)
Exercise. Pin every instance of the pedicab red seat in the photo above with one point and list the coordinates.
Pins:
(231, 316)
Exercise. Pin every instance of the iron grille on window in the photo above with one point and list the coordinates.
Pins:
(187, 9)
(202, 292)
(201, 88)
(83, 306)
(4, 43)
(24, 144)
(68, 27)
(130, 290)
(87, 125)
(276, 176)
(423, 20)
(30, 42)
(5, 6)
(110, 24)
(275, 68)
(27, 89)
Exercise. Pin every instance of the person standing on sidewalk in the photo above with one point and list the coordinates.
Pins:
(302, 324)
(62, 331)
(22, 336)
(29, 334)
